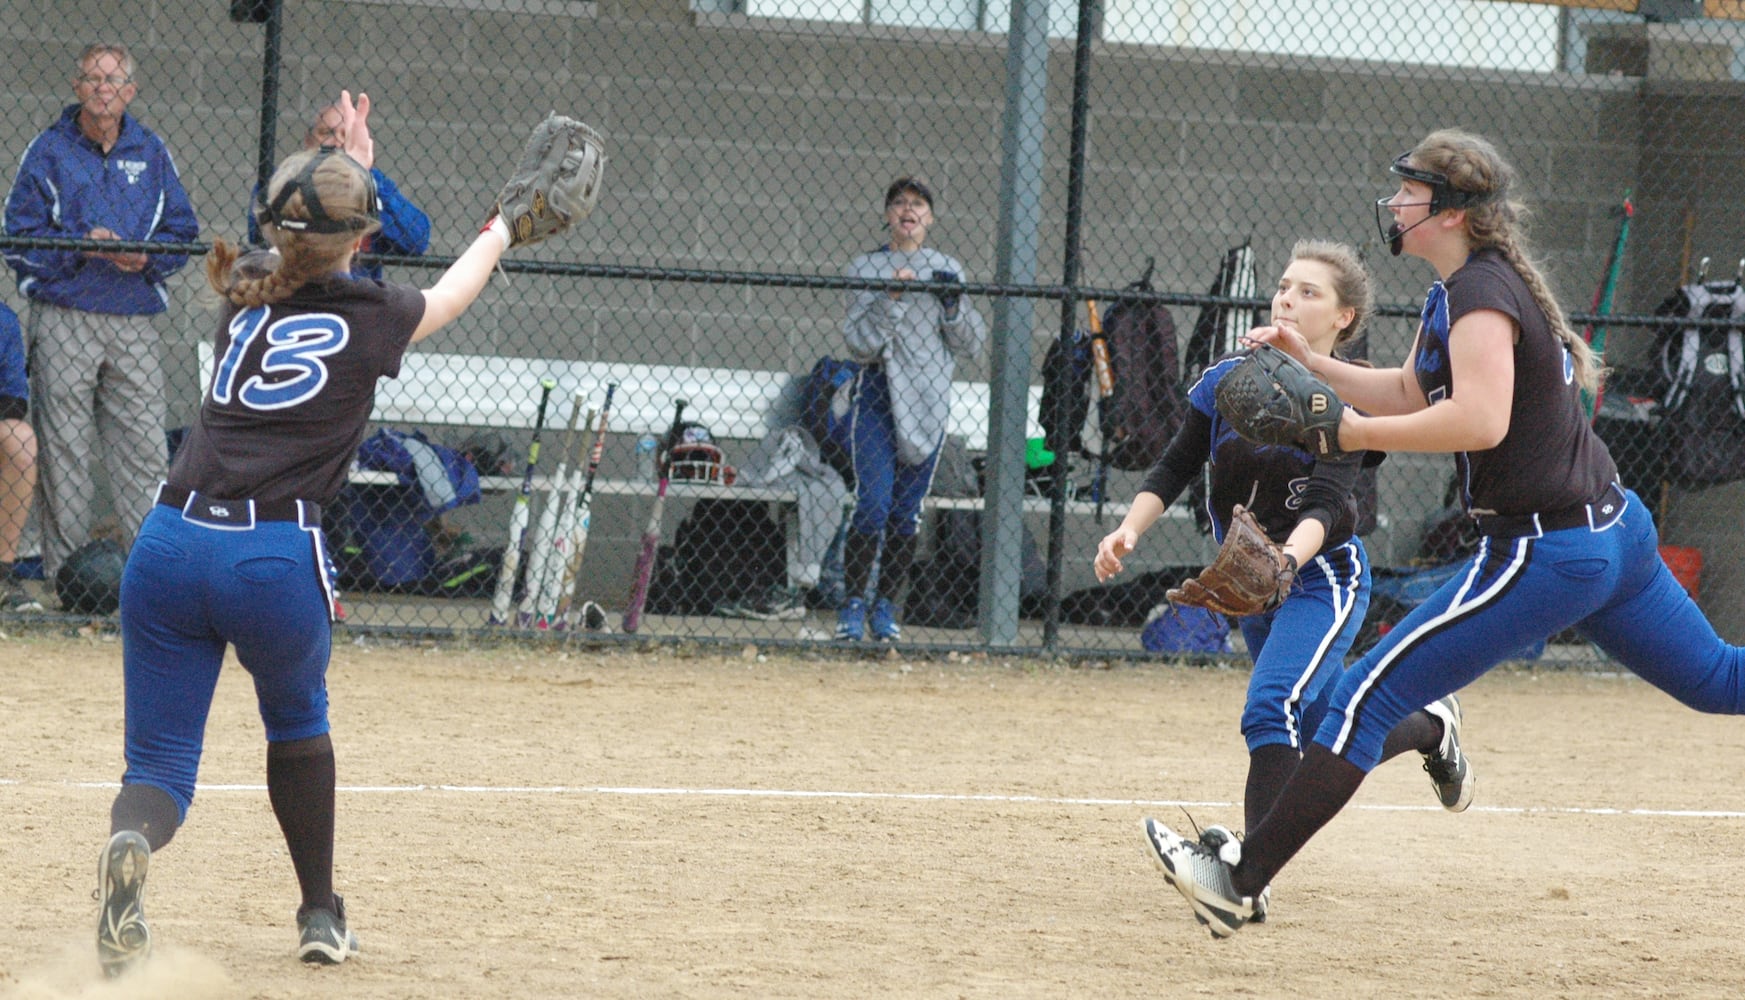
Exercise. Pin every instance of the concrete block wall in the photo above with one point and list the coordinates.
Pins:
(751, 145)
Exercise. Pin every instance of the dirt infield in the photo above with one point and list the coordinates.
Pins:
(522, 824)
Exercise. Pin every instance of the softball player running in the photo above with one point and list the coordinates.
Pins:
(1298, 647)
(1495, 377)
(232, 551)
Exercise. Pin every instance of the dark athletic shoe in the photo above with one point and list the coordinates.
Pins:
(325, 938)
(1447, 766)
(123, 939)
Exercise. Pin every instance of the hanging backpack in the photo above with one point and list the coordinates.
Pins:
(1703, 403)
(1137, 419)
(1220, 324)
(1066, 401)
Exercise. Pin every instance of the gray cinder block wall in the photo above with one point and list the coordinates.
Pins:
(740, 143)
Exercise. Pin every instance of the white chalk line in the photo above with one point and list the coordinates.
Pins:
(785, 793)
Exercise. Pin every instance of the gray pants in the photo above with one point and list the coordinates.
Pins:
(97, 401)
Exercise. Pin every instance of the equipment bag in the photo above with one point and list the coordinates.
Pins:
(724, 550)
(1703, 403)
(383, 541)
(945, 589)
(824, 411)
(1066, 401)
(1220, 325)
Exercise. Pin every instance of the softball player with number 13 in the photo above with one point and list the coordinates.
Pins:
(232, 552)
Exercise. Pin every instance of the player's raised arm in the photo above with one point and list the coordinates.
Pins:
(555, 184)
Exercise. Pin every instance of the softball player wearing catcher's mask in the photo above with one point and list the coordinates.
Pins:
(1495, 377)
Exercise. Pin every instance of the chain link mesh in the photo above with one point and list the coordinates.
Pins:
(1067, 151)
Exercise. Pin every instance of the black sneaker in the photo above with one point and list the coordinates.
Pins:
(1447, 765)
(780, 604)
(123, 939)
(325, 938)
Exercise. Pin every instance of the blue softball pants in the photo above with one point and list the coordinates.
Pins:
(1299, 648)
(190, 588)
(1605, 579)
(886, 492)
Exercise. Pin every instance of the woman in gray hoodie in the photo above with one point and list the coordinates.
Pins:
(907, 345)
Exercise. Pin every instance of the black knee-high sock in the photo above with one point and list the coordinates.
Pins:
(1321, 786)
(894, 566)
(1419, 731)
(300, 780)
(1268, 769)
(858, 554)
(147, 809)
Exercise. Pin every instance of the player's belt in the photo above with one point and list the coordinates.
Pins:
(1602, 513)
(237, 514)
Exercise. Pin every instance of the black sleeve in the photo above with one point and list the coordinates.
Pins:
(1182, 460)
(1329, 493)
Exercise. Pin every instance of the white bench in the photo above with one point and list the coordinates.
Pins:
(436, 389)
(478, 390)
(486, 391)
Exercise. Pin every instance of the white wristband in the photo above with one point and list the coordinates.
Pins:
(500, 228)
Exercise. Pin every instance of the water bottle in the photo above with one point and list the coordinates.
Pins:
(646, 446)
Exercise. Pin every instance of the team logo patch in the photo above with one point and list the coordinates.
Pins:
(134, 169)
(1318, 403)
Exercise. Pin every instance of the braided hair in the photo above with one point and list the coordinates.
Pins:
(313, 210)
(1493, 219)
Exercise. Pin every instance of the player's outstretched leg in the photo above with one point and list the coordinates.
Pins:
(122, 936)
(1447, 765)
(1202, 876)
(325, 938)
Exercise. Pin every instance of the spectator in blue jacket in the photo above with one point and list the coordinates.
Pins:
(97, 382)
(17, 459)
(405, 228)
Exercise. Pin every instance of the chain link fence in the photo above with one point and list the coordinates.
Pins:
(1150, 158)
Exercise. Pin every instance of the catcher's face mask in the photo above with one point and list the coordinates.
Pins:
(319, 220)
(1443, 195)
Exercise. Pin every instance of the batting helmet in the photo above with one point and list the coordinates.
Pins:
(89, 581)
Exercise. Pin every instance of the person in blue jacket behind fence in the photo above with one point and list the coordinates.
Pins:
(97, 382)
(405, 228)
(907, 345)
